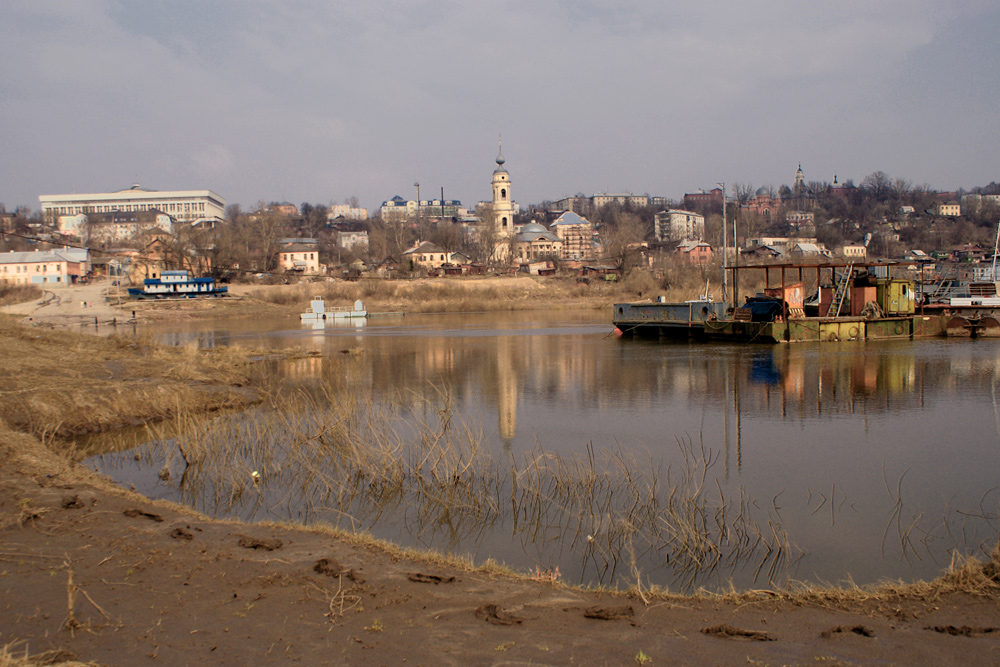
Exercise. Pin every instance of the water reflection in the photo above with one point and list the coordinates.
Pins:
(863, 459)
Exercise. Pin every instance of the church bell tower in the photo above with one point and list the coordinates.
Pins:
(503, 206)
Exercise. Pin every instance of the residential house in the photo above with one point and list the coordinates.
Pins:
(694, 252)
(969, 252)
(808, 251)
(762, 252)
(853, 252)
(798, 219)
(51, 268)
(426, 255)
(299, 256)
(779, 243)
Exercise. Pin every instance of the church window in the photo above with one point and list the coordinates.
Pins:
(503, 193)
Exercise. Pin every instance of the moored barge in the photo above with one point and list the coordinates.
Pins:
(177, 284)
(852, 301)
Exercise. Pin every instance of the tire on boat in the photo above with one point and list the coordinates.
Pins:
(958, 327)
(988, 327)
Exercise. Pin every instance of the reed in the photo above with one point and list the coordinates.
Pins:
(410, 466)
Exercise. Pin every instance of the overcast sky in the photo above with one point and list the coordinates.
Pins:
(317, 101)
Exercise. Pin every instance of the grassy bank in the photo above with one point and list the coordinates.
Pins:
(60, 384)
(11, 294)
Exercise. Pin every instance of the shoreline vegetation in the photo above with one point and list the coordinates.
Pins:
(86, 567)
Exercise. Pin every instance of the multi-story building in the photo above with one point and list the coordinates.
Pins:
(677, 225)
(194, 206)
(52, 268)
(576, 234)
(119, 226)
(575, 204)
(347, 212)
(603, 199)
(800, 217)
(948, 209)
(357, 241)
(398, 209)
(702, 198)
(299, 256)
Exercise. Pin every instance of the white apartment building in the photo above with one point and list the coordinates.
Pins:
(677, 225)
(194, 206)
(357, 241)
(606, 198)
(347, 212)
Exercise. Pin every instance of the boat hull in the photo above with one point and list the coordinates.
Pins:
(689, 320)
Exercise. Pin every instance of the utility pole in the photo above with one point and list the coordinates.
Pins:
(417, 186)
(725, 245)
(736, 252)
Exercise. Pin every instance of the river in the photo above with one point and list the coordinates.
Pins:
(764, 464)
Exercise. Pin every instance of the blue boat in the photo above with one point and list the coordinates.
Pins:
(177, 284)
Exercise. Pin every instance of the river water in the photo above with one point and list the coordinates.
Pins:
(830, 462)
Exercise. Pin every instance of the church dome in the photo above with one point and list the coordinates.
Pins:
(762, 192)
(533, 228)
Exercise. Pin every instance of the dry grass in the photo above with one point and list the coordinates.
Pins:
(13, 294)
(58, 384)
(13, 655)
(468, 294)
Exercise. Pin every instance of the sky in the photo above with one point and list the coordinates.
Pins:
(318, 101)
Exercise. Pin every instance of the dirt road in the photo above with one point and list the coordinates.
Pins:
(76, 306)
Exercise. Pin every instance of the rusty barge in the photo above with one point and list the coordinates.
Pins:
(851, 301)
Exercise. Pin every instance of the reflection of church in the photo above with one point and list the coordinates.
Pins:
(507, 387)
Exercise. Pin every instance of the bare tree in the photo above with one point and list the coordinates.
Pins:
(742, 192)
(901, 188)
(266, 231)
(488, 247)
(877, 185)
(621, 237)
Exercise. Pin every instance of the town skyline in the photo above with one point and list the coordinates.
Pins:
(305, 102)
